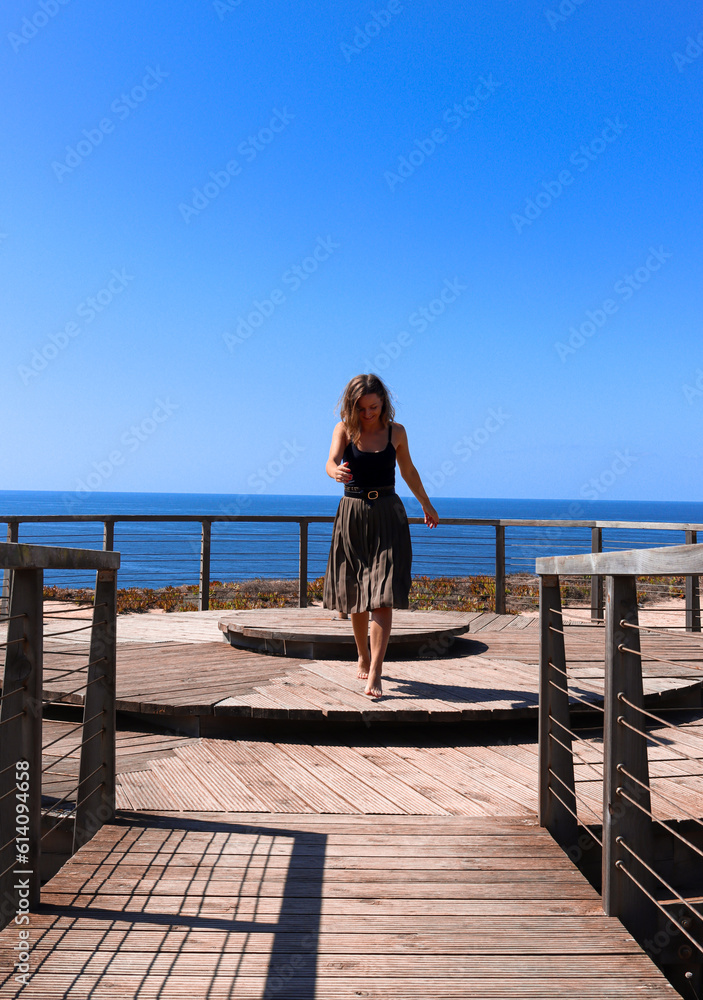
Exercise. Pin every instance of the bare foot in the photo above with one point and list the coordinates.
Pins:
(363, 669)
(373, 688)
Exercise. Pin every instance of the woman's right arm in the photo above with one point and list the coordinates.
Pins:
(334, 467)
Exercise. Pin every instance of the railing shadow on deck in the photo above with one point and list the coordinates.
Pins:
(28, 823)
(288, 967)
(651, 867)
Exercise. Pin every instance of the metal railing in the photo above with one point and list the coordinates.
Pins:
(24, 820)
(498, 525)
(651, 865)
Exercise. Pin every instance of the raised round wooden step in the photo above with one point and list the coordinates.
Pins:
(314, 633)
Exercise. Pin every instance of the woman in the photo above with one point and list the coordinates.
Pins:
(369, 563)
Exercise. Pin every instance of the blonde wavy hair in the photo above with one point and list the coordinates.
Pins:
(363, 385)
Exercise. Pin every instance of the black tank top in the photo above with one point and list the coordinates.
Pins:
(371, 469)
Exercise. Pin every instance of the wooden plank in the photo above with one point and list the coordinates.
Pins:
(19, 555)
(667, 560)
(297, 778)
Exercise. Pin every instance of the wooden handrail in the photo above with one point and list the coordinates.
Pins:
(498, 524)
(18, 555)
(670, 560)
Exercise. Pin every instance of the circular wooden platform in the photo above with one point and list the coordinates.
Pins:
(173, 671)
(315, 633)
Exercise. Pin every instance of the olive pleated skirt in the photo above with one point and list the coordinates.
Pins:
(370, 556)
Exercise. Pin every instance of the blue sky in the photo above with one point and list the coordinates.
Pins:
(215, 213)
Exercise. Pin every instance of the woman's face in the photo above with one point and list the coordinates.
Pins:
(370, 408)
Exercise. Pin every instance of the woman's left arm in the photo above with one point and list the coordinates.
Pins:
(412, 476)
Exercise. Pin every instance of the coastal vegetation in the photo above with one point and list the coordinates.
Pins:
(444, 593)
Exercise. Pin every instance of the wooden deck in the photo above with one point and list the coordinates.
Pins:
(378, 866)
(326, 907)
(495, 775)
(170, 670)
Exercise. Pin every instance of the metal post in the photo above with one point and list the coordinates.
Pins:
(303, 566)
(12, 536)
(95, 798)
(693, 597)
(500, 570)
(596, 581)
(204, 589)
(21, 746)
(624, 751)
(557, 801)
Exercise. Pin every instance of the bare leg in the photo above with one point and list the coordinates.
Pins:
(381, 622)
(360, 625)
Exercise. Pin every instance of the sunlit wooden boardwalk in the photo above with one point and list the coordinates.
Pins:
(394, 871)
(330, 866)
(248, 906)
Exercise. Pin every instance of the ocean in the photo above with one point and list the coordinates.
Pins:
(155, 555)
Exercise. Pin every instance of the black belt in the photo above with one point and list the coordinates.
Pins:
(356, 491)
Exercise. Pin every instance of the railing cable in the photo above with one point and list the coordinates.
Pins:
(579, 821)
(621, 866)
(688, 637)
(70, 631)
(650, 658)
(648, 736)
(55, 805)
(571, 694)
(11, 693)
(571, 750)
(577, 798)
(57, 760)
(651, 815)
(657, 718)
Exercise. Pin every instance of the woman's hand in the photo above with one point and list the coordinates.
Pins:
(431, 517)
(343, 474)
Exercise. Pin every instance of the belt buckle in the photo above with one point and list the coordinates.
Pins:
(372, 495)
